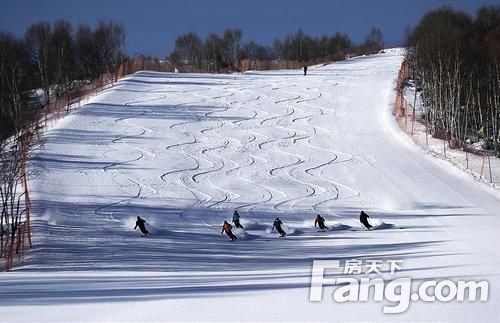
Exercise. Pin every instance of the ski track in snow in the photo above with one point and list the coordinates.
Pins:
(185, 150)
(114, 166)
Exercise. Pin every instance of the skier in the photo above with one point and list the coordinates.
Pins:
(363, 218)
(277, 224)
(320, 221)
(305, 70)
(141, 224)
(236, 220)
(226, 227)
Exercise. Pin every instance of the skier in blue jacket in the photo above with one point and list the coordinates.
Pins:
(236, 220)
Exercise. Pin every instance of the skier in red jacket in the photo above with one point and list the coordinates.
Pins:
(320, 221)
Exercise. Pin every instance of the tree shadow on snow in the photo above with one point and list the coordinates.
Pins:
(92, 239)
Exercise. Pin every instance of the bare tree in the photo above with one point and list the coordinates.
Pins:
(214, 55)
(64, 57)
(456, 62)
(87, 53)
(373, 43)
(231, 43)
(110, 41)
(13, 91)
(13, 64)
(338, 46)
(188, 51)
(38, 37)
(10, 193)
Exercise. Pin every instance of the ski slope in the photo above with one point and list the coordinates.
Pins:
(183, 151)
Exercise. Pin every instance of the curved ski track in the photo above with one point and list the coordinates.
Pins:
(217, 146)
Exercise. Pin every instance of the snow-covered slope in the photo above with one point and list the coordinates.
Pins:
(184, 150)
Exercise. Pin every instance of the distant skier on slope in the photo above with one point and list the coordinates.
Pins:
(236, 220)
(305, 70)
(320, 221)
(227, 228)
(141, 223)
(277, 224)
(363, 218)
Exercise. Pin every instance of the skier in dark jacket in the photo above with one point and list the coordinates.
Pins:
(227, 228)
(320, 221)
(236, 220)
(305, 70)
(141, 223)
(277, 224)
(363, 218)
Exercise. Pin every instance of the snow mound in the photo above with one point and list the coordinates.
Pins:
(336, 226)
(290, 231)
(129, 222)
(305, 224)
(287, 229)
(241, 233)
(55, 217)
(252, 224)
(380, 225)
(332, 225)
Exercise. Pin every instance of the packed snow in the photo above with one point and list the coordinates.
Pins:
(183, 151)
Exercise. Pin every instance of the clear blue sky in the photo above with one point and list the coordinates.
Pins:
(152, 26)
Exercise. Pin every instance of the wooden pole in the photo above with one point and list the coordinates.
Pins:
(489, 166)
(482, 167)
